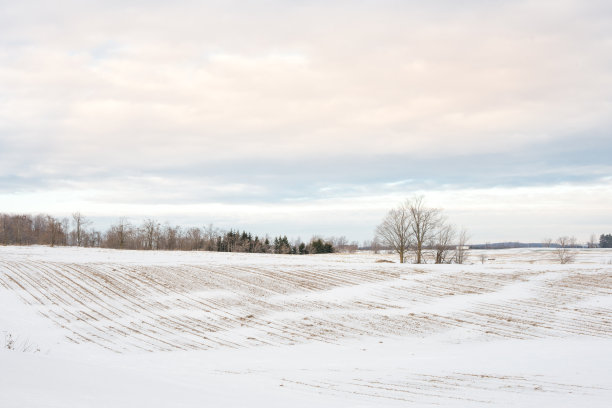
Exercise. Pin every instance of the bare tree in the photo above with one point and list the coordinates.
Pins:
(4, 229)
(80, 222)
(22, 225)
(444, 237)
(593, 241)
(96, 238)
(210, 234)
(461, 250)
(54, 227)
(414, 226)
(423, 222)
(40, 229)
(546, 242)
(118, 234)
(564, 253)
(150, 229)
(375, 245)
(395, 230)
(194, 238)
(66, 228)
(340, 243)
(172, 237)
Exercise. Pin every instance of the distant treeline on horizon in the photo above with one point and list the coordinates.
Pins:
(605, 241)
(43, 229)
(515, 244)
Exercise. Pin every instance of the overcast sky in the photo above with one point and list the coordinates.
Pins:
(310, 117)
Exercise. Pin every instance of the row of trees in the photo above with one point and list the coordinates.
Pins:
(42, 229)
(23, 229)
(605, 241)
(565, 247)
(413, 228)
(410, 229)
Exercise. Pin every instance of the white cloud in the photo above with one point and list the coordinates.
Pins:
(132, 97)
(490, 214)
(489, 80)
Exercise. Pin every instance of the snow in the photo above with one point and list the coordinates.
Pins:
(192, 329)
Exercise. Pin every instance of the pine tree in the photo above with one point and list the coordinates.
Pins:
(605, 241)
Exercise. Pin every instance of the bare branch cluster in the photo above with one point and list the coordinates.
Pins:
(395, 230)
(564, 252)
(413, 227)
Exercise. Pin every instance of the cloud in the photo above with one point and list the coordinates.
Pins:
(489, 214)
(266, 102)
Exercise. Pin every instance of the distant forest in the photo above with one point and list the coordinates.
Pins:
(76, 230)
(42, 229)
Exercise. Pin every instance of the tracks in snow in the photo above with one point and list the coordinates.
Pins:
(122, 307)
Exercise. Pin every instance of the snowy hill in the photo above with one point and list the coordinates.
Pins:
(137, 328)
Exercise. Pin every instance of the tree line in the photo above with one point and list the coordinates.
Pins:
(44, 229)
(605, 241)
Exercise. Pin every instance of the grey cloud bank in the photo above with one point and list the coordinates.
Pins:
(309, 117)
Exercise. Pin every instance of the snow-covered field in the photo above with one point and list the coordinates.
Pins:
(105, 328)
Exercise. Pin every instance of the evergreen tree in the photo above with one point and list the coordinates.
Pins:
(605, 241)
(319, 247)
